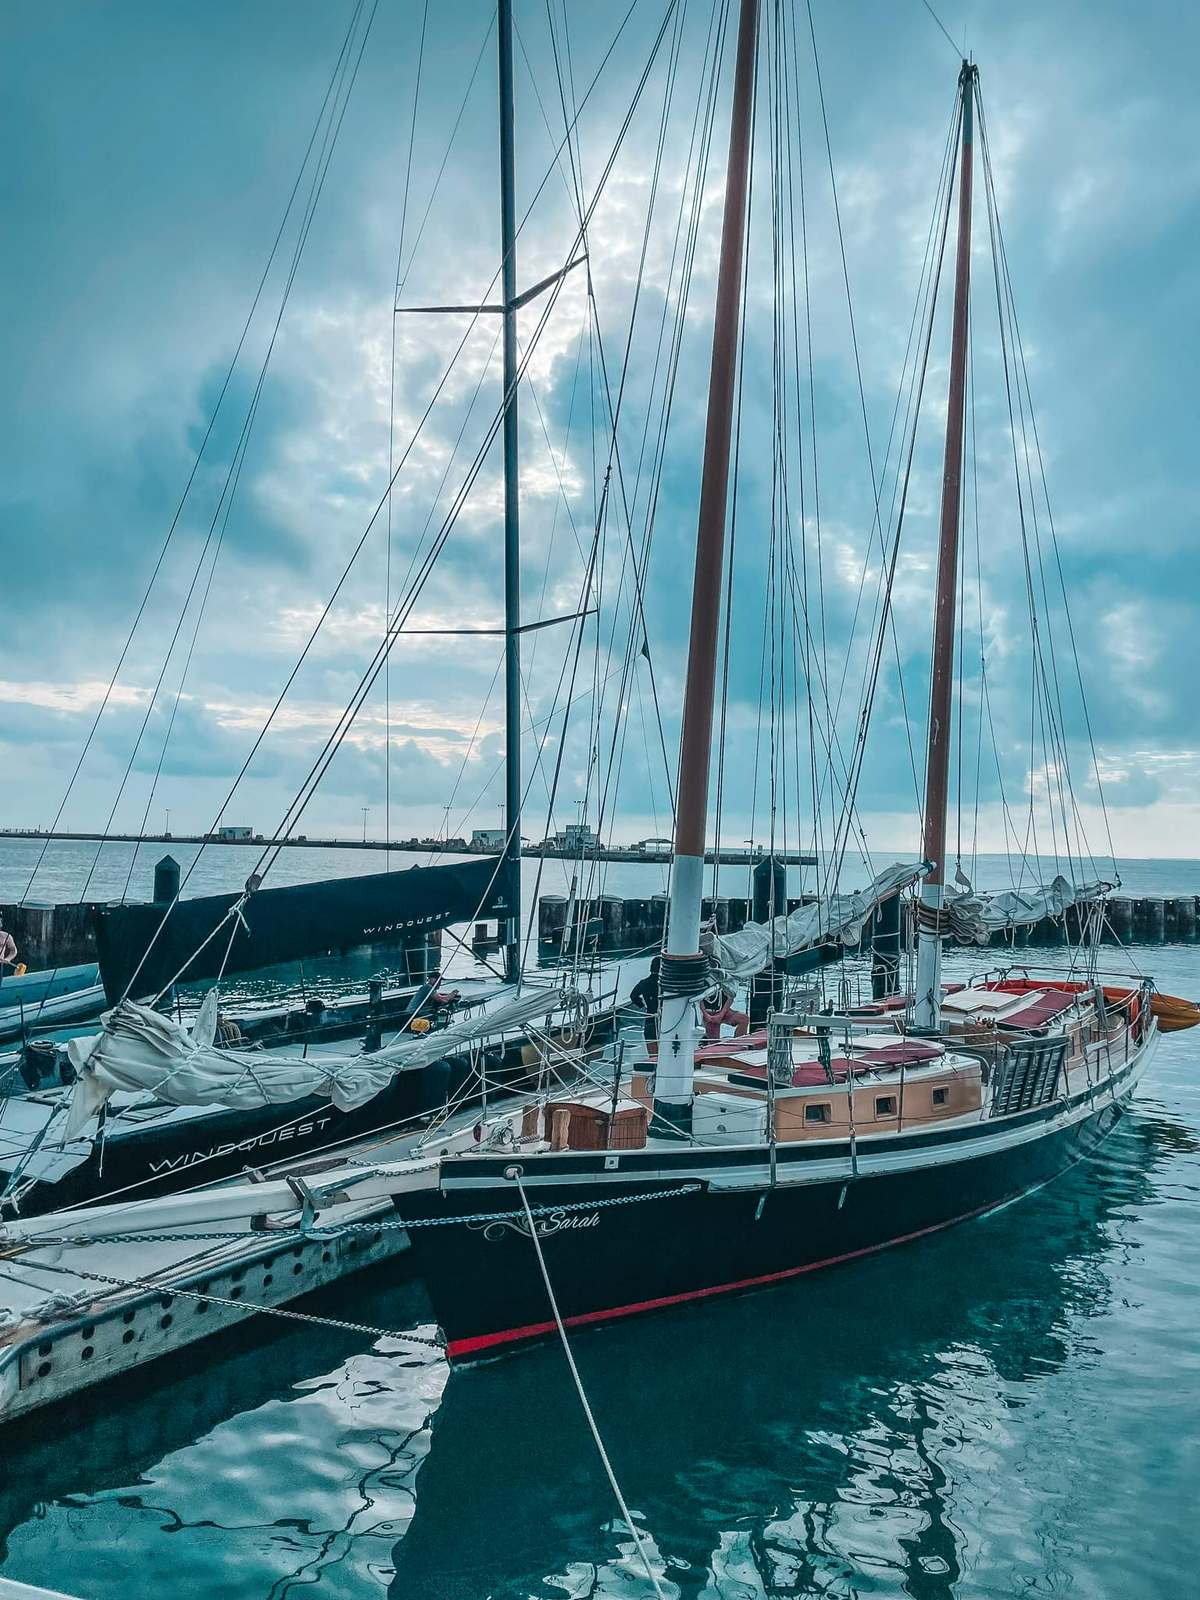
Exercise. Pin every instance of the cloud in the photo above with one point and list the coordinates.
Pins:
(135, 254)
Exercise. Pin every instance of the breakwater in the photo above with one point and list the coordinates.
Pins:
(612, 923)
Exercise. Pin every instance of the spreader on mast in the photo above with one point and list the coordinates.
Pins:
(684, 970)
(937, 764)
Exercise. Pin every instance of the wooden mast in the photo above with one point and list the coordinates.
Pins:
(684, 971)
(937, 764)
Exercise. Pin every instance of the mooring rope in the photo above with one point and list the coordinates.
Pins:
(579, 1389)
(168, 1288)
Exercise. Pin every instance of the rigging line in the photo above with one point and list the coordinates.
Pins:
(387, 678)
(917, 322)
(880, 636)
(1071, 632)
(958, 55)
(366, 532)
(296, 810)
(412, 138)
(330, 141)
(1055, 744)
(233, 478)
(1037, 706)
(715, 40)
(233, 475)
(1056, 751)
(402, 282)
(614, 410)
(537, 95)
(162, 754)
(862, 397)
(195, 467)
(635, 1533)
(660, 336)
(1019, 345)
(434, 855)
(374, 516)
(957, 738)
(978, 589)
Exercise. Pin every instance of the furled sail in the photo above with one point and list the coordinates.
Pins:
(204, 937)
(833, 918)
(973, 916)
(140, 1050)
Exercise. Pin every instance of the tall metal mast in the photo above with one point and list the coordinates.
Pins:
(512, 505)
(683, 972)
(937, 765)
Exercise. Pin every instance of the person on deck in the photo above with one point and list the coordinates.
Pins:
(716, 1009)
(8, 949)
(644, 995)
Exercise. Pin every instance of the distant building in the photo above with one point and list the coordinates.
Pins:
(574, 839)
(226, 835)
(487, 839)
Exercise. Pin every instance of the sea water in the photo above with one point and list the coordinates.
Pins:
(1009, 1408)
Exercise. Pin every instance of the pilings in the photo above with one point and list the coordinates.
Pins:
(610, 924)
(52, 936)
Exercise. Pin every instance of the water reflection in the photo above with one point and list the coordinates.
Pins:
(806, 1441)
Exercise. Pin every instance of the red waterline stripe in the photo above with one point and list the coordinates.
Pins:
(487, 1341)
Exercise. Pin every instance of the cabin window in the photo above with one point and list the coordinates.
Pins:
(818, 1113)
(940, 1096)
(885, 1105)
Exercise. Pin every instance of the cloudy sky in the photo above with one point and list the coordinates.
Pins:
(150, 152)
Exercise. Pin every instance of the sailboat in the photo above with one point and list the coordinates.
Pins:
(705, 1167)
(720, 1168)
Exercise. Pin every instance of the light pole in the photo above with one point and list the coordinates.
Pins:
(365, 809)
(168, 829)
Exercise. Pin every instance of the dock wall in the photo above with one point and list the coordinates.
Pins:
(614, 923)
(65, 936)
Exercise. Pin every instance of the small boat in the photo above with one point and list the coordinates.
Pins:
(28, 988)
(49, 1011)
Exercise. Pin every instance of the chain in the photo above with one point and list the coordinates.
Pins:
(398, 1223)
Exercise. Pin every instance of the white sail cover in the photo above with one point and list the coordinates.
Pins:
(835, 917)
(975, 915)
(142, 1050)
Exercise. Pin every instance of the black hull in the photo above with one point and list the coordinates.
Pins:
(608, 1261)
(165, 1157)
